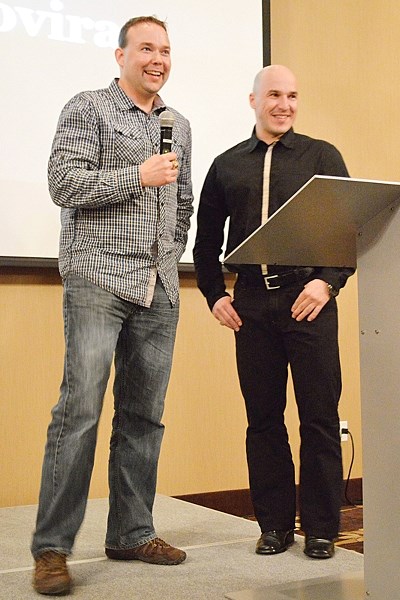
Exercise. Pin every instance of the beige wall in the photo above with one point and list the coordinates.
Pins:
(203, 447)
(204, 417)
(344, 53)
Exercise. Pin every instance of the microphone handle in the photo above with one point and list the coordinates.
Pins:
(166, 140)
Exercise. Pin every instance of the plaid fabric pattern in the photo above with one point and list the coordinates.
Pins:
(115, 233)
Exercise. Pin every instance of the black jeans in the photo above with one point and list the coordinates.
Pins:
(268, 341)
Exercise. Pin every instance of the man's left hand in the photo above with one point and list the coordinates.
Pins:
(311, 300)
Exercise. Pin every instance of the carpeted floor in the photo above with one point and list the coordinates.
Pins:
(351, 531)
(351, 535)
(221, 559)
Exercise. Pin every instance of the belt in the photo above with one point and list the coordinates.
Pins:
(274, 282)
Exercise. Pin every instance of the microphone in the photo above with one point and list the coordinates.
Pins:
(166, 123)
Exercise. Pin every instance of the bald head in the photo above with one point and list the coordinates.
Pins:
(274, 100)
(273, 73)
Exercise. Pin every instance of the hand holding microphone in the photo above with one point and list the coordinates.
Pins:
(161, 169)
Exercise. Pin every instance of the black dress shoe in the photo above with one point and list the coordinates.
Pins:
(316, 547)
(274, 541)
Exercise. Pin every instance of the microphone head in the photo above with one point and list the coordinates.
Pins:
(167, 119)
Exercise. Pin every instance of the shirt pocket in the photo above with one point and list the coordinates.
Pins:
(129, 144)
(178, 144)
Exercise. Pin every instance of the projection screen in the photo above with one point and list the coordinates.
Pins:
(52, 49)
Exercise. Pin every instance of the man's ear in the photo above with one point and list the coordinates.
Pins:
(119, 56)
(251, 100)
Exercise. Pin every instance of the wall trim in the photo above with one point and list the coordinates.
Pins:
(238, 502)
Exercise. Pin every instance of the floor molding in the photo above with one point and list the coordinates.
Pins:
(238, 502)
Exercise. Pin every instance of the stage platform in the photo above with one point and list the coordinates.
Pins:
(221, 560)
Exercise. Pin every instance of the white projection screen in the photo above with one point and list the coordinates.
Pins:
(53, 49)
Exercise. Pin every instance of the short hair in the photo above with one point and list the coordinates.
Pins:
(122, 38)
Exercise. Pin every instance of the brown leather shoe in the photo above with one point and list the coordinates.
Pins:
(156, 552)
(51, 575)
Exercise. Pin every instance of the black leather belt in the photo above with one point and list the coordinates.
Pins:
(274, 282)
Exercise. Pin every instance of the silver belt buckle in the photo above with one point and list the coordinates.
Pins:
(267, 283)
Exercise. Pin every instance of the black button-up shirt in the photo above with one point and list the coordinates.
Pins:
(233, 189)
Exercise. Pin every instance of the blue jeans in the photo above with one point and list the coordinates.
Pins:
(98, 324)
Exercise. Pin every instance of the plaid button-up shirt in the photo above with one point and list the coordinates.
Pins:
(115, 233)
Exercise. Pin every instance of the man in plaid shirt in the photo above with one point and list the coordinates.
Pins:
(125, 212)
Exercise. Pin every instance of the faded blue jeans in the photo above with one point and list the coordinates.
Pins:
(98, 325)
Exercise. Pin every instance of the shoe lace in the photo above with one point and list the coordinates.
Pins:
(50, 562)
(159, 542)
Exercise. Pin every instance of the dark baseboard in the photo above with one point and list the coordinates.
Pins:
(233, 502)
(238, 502)
(352, 492)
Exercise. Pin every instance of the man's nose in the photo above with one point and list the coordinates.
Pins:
(157, 57)
(284, 102)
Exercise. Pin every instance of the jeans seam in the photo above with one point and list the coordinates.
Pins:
(57, 549)
(67, 378)
(139, 543)
(117, 453)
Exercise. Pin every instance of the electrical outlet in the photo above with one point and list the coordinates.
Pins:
(344, 436)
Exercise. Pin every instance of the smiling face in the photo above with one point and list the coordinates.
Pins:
(145, 63)
(274, 100)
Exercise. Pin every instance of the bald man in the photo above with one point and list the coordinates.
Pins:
(281, 316)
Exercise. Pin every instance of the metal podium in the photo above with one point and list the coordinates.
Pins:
(341, 222)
